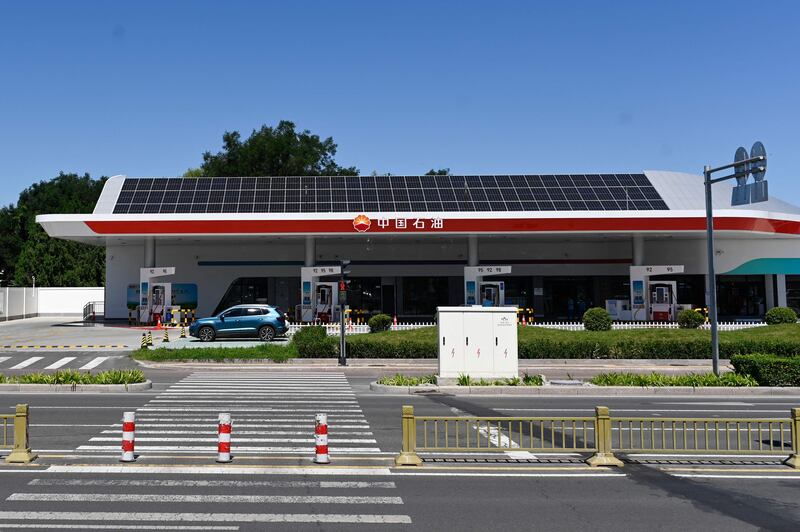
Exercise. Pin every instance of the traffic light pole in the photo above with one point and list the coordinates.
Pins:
(342, 339)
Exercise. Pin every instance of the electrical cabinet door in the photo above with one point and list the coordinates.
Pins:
(478, 344)
(505, 344)
(451, 344)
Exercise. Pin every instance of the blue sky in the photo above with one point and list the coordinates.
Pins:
(143, 88)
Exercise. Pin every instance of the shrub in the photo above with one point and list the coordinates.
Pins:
(597, 319)
(657, 379)
(778, 315)
(398, 379)
(768, 370)
(690, 319)
(314, 342)
(116, 376)
(379, 323)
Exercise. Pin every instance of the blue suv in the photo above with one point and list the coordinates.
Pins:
(255, 321)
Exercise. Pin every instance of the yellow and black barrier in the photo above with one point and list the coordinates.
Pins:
(20, 449)
(603, 435)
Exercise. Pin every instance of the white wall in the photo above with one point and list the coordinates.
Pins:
(67, 301)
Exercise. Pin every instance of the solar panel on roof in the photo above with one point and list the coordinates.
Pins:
(611, 192)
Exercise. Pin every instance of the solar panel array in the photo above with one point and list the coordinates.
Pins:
(356, 194)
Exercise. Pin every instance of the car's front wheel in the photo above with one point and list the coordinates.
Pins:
(266, 333)
(206, 334)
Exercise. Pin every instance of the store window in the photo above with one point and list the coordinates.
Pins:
(741, 296)
(793, 292)
(421, 295)
(364, 295)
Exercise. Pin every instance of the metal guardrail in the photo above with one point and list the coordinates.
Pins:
(20, 449)
(93, 310)
(601, 435)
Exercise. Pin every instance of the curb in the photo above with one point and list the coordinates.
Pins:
(589, 391)
(66, 388)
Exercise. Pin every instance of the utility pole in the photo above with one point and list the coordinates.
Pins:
(743, 194)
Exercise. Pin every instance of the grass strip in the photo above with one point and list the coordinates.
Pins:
(71, 376)
(694, 380)
(262, 351)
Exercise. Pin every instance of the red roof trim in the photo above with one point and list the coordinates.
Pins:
(460, 225)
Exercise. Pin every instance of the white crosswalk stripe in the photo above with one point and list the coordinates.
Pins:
(94, 363)
(53, 363)
(61, 362)
(193, 496)
(26, 363)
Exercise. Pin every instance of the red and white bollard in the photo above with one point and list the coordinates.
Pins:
(321, 439)
(224, 438)
(128, 436)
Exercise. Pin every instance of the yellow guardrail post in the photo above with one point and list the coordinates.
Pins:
(794, 458)
(602, 435)
(21, 453)
(408, 455)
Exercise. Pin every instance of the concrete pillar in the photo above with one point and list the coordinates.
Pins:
(638, 250)
(311, 251)
(472, 250)
(769, 291)
(149, 252)
(780, 281)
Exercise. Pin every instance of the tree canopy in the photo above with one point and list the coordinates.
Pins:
(272, 151)
(25, 248)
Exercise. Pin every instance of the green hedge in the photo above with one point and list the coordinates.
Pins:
(769, 370)
(70, 376)
(777, 315)
(656, 379)
(314, 342)
(379, 323)
(782, 340)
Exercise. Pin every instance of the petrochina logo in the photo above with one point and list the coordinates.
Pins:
(361, 223)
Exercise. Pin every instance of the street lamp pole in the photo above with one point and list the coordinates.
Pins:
(743, 194)
(712, 279)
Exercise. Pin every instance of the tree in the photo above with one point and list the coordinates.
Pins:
(27, 250)
(440, 171)
(278, 151)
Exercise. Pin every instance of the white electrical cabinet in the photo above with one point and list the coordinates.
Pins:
(477, 341)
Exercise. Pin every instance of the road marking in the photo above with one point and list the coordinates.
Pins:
(237, 401)
(26, 363)
(699, 403)
(62, 362)
(322, 484)
(208, 517)
(237, 449)
(222, 470)
(646, 410)
(65, 425)
(237, 433)
(239, 442)
(94, 363)
(203, 498)
(261, 410)
(737, 477)
(779, 469)
(85, 526)
(536, 475)
(3, 359)
(694, 455)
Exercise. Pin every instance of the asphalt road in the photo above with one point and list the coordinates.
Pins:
(272, 483)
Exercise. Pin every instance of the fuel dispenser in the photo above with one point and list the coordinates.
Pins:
(155, 298)
(484, 293)
(493, 294)
(663, 300)
(326, 295)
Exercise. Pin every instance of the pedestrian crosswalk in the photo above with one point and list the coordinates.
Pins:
(272, 412)
(200, 504)
(36, 363)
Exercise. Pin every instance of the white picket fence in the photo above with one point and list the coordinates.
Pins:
(332, 329)
(624, 326)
